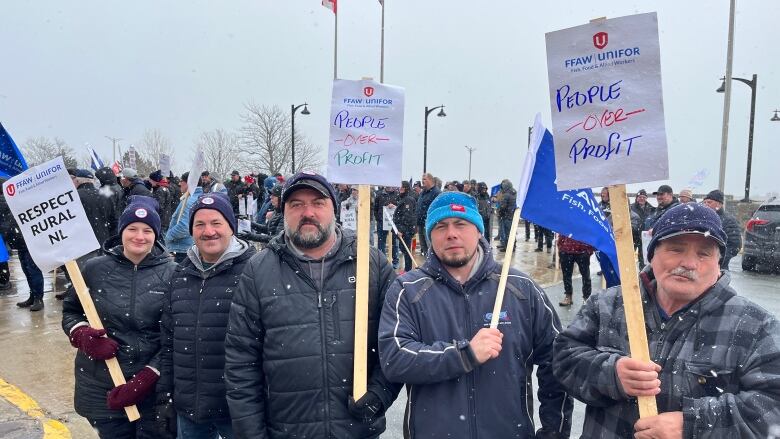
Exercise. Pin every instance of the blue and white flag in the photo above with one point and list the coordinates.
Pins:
(94, 159)
(3, 251)
(12, 161)
(573, 213)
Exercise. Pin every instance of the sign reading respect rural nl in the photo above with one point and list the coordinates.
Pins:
(366, 133)
(48, 210)
(607, 102)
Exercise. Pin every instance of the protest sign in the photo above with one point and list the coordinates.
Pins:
(366, 133)
(131, 157)
(387, 223)
(607, 102)
(49, 213)
(349, 215)
(165, 165)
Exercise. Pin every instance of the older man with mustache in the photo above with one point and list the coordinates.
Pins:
(715, 370)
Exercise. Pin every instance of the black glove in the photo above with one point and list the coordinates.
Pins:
(367, 408)
(166, 417)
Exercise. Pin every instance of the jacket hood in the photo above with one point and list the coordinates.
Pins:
(113, 247)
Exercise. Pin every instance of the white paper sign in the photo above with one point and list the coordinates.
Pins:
(48, 210)
(387, 223)
(244, 225)
(348, 214)
(366, 133)
(165, 165)
(198, 166)
(607, 103)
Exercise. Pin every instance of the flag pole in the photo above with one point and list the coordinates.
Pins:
(382, 51)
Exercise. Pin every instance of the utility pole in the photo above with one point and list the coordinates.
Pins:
(113, 148)
(471, 150)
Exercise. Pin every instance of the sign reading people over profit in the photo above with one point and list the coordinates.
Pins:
(49, 213)
(607, 102)
(366, 133)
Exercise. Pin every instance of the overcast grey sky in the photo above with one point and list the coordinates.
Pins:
(88, 69)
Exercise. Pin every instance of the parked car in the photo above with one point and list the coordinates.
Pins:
(762, 237)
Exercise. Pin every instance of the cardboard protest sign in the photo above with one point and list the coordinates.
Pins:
(348, 215)
(607, 103)
(48, 210)
(366, 133)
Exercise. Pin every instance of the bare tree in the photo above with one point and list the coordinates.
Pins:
(265, 141)
(38, 150)
(153, 145)
(221, 152)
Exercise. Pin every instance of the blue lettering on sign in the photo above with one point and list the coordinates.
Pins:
(598, 93)
(581, 148)
(343, 120)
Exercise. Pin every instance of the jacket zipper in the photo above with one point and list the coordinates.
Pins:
(324, 344)
(137, 349)
(195, 348)
(335, 313)
(471, 394)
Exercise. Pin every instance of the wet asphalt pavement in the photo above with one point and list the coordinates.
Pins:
(37, 360)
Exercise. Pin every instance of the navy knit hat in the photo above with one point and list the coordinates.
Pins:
(310, 180)
(156, 176)
(687, 219)
(453, 204)
(141, 210)
(216, 201)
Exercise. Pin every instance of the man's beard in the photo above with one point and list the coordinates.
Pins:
(456, 261)
(310, 240)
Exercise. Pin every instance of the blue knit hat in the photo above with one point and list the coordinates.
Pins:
(687, 219)
(141, 210)
(453, 204)
(215, 201)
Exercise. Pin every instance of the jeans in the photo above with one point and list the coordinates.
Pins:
(486, 224)
(421, 240)
(32, 273)
(504, 227)
(381, 236)
(567, 267)
(207, 430)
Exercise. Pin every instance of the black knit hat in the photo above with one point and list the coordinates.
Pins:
(715, 195)
(687, 219)
(141, 210)
(156, 176)
(216, 201)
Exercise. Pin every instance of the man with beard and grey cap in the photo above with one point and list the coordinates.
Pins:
(290, 340)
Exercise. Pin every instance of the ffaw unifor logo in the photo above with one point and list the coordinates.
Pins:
(10, 190)
(600, 40)
(368, 91)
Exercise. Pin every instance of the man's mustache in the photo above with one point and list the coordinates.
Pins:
(310, 221)
(690, 274)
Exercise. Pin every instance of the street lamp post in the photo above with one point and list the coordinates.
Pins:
(425, 135)
(293, 109)
(471, 150)
(753, 85)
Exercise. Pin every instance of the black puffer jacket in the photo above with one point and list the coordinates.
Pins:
(100, 212)
(137, 187)
(405, 218)
(164, 198)
(288, 351)
(193, 341)
(129, 300)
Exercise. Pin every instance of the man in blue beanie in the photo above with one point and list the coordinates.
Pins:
(716, 355)
(434, 335)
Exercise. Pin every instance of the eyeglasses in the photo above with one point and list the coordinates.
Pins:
(297, 205)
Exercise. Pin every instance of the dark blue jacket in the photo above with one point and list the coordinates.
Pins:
(427, 322)
(424, 201)
(193, 327)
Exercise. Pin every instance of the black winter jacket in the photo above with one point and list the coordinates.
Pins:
(193, 336)
(506, 208)
(383, 199)
(137, 187)
(404, 217)
(100, 212)
(129, 300)
(164, 198)
(427, 322)
(234, 189)
(288, 350)
(733, 233)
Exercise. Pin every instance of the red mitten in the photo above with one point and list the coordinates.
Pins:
(138, 388)
(93, 342)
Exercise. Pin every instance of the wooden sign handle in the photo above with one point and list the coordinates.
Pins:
(409, 252)
(629, 281)
(360, 375)
(94, 321)
(510, 246)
